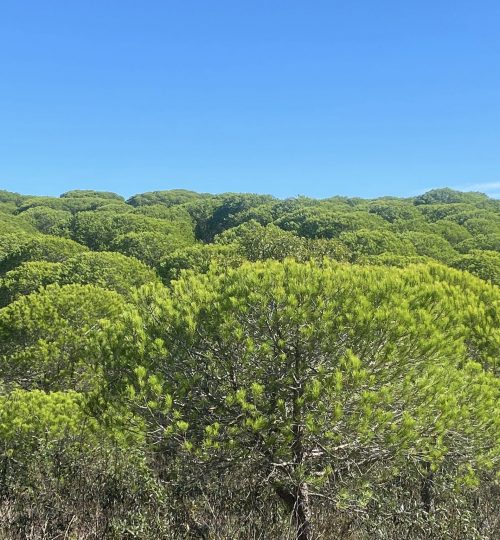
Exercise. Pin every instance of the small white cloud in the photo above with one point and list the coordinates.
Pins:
(486, 187)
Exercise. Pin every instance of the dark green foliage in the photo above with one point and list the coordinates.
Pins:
(171, 213)
(11, 197)
(323, 223)
(221, 212)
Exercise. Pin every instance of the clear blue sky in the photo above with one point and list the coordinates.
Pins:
(286, 97)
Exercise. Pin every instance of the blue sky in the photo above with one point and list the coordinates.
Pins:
(287, 97)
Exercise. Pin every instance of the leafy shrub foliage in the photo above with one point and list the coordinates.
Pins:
(235, 366)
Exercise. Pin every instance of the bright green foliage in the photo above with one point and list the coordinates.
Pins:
(49, 339)
(388, 259)
(48, 221)
(16, 249)
(474, 307)
(10, 224)
(266, 384)
(320, 376)
(112, 271)
(27, 278)
(26, 416)
(484, 264)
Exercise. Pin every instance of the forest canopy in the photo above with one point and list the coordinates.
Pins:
(185, 365)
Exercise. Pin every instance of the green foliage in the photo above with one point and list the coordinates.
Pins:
(49, 339)
(449, 196)
(70, 204)
(90, 193)
(16, 249)
(171, 213)
(483, 226)
(450, 231)
(199, 257)
(98, 230)
(221, 212)
(256, 242)
(389, 259)
(28, 277)
(281, 365)
(266, 384)
(393, 211)
(10, 197)
(13, 225)
(376, 242)
(432, 245)
(167, 198)
(150, 247)
(323, 223)
(48, 221)
(112, 271)
(487, 242)
(484, 264)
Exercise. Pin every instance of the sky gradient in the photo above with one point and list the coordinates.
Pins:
(316, 98)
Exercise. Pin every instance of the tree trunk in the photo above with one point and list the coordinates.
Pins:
(302, 513)
(301, 506)
(426, 490)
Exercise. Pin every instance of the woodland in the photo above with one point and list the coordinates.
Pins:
(183, 365)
